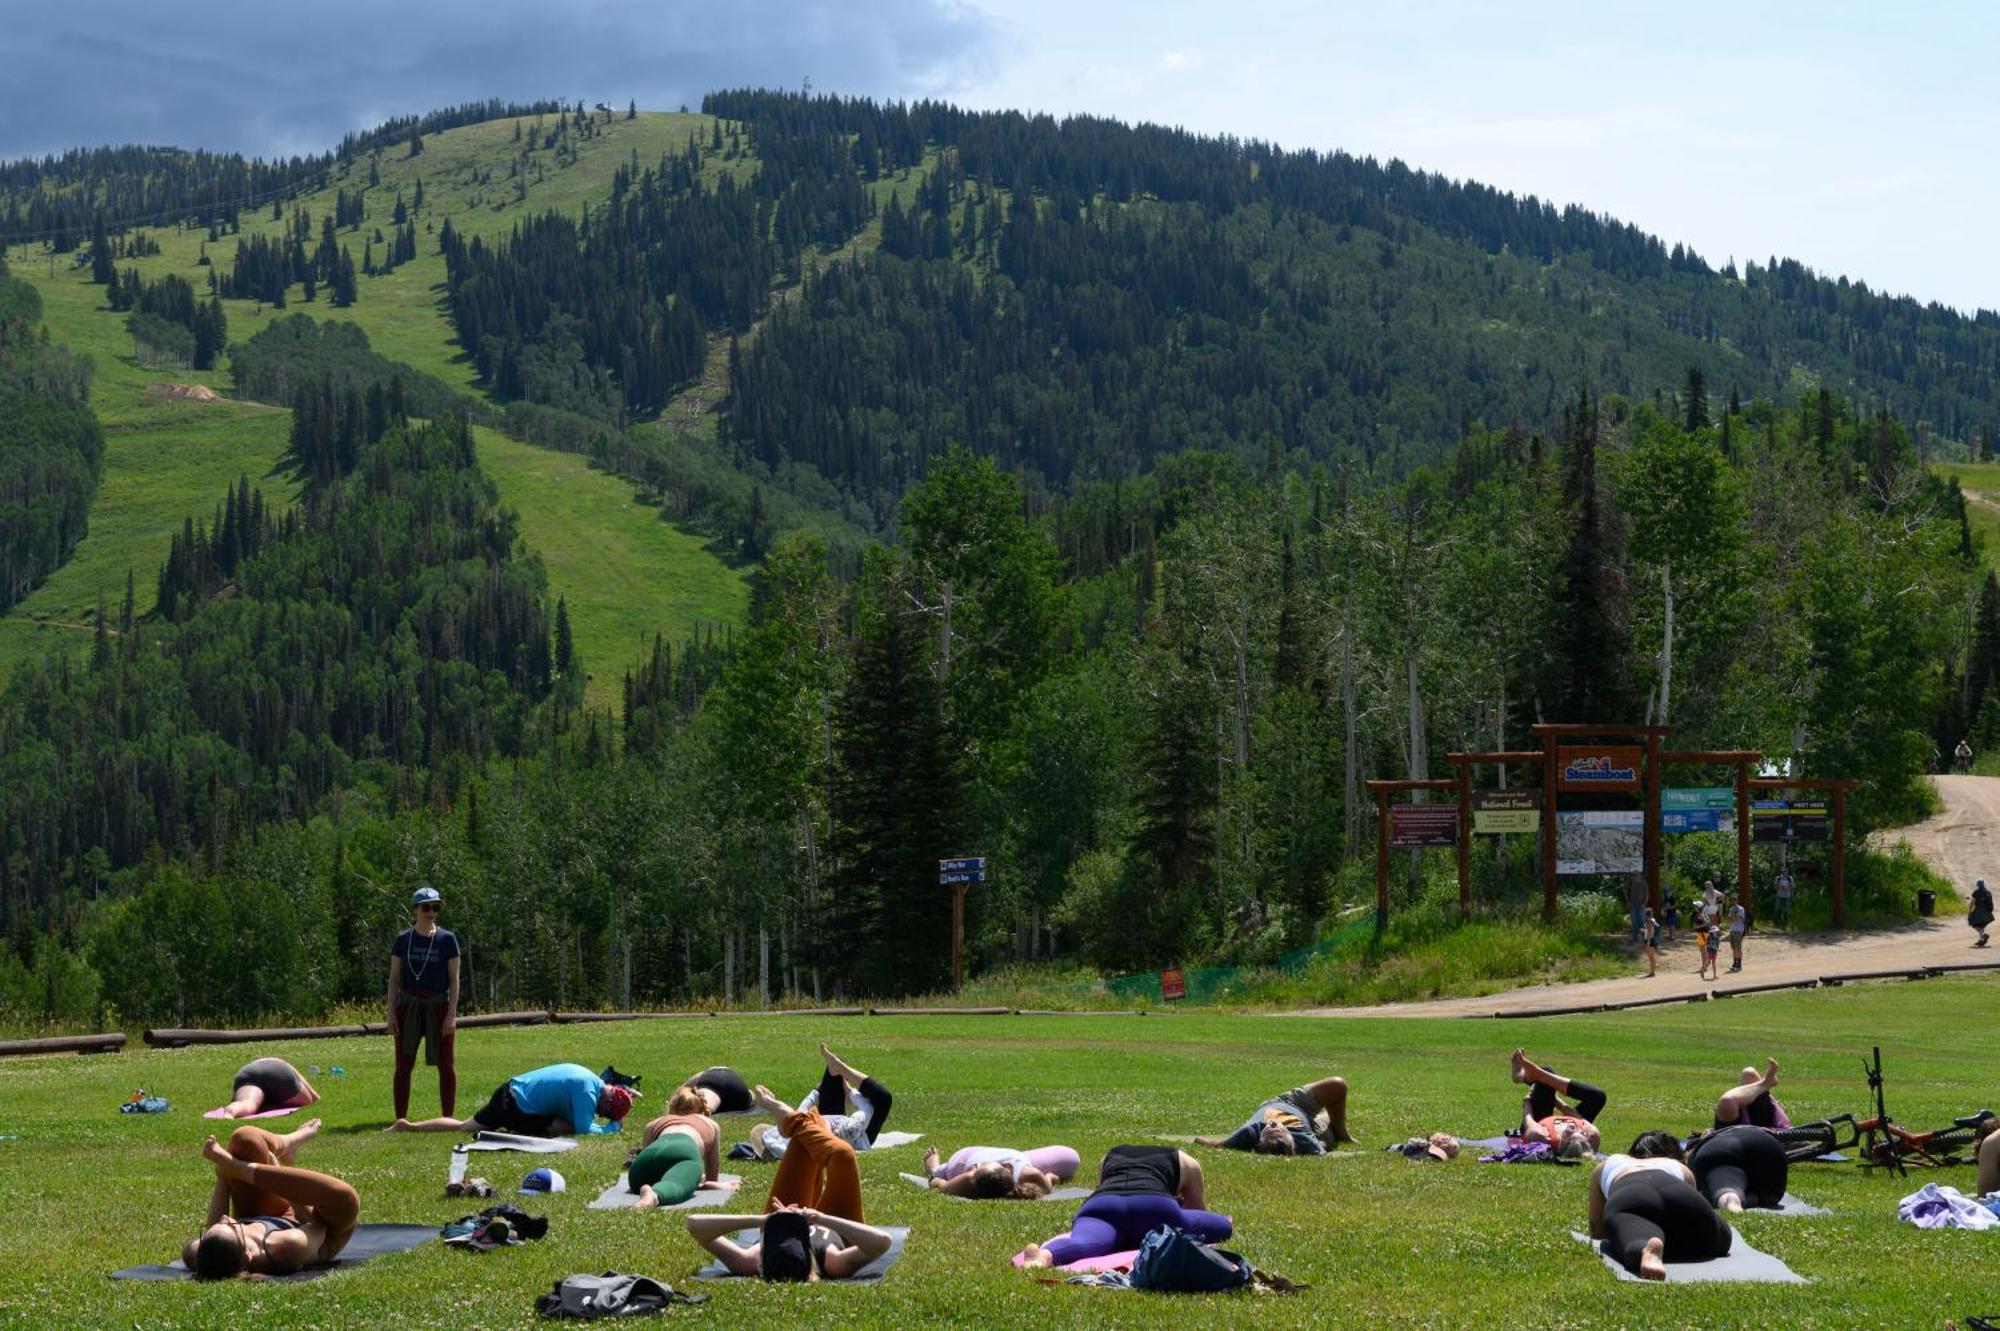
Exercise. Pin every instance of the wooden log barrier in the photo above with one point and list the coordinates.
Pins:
(109, 1043)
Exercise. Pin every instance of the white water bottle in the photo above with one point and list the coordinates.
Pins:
(459, 1156)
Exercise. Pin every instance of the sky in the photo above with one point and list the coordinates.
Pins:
(1856, 138)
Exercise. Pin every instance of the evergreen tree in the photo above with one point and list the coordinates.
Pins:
(565, 642)
(1697, 399)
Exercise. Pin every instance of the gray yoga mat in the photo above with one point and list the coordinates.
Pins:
(368, 1241)
(514, 1141)
(867, 1275)
(1744, 1263)
(1055, 1195)
(620, 1197)
(1790, 1205)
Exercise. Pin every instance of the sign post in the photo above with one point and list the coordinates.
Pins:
(955, 874)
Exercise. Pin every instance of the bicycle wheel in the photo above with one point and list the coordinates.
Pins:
(1807, 1141)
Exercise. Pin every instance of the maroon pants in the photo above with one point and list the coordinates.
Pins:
(420, 1023)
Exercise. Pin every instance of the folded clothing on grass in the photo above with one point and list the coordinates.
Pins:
(620, 1197)
(1055, 1195)
(514, 1141)
(368, 1241)
(899, 1235)
(1744, 1263)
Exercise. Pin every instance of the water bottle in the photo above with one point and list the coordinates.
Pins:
(459, 1157)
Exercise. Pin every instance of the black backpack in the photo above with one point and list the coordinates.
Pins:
(610, 1295)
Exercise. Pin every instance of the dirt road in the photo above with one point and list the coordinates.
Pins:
(1962, 843)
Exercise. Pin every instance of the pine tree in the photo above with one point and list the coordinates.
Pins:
(1697, 400)
(565, 643)
(416, 144)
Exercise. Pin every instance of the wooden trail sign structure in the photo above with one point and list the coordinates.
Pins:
(1587, 761)
(955, 874)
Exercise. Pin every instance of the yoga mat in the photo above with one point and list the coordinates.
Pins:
(867, 1275)
(620, 1197)
(1486, 1143)
(509, 1141)
(888, 1139)
(1110, 1261)
(368, 1241)
(1790, 1205)
(1744, 1263)
(1057, 1195)
(220, 1112)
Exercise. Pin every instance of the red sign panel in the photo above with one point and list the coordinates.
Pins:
(1414, 825)
(1173, 985)
(1599, 767)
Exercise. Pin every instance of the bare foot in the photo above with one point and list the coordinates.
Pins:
(1520, 1066)
(931, 1160)
(400, 1125)
(1770, 1072)
(1653, 1260)
(302, 1134)
(218, 1155)
(1035, 1257)
(1731, 1203)
(647, 1197)
(770, 1103)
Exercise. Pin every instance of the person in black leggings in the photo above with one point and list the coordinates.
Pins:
(858, 1127)
(1572, 1131)
(1739, 1166)
(724, 1088)
(1645, 1211)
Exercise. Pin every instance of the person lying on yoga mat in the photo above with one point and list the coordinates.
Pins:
(1734, 1167)
(1645, 1212)
(266, 1216)
(1571, 1130)
(991, 1172)
(1750, 1101)
(268, 1083)
(1139, 1188)
(1307, 1120)
(561, 1100)
(723, 1089)
(680, 1154)
(859, 1128)
(813, 1226)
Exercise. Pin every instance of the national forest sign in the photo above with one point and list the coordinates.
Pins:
(1495, 812)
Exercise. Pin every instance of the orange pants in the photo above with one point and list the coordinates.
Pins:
(818, 1170)
(281, 1190)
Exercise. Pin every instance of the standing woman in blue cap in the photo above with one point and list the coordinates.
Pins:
(423, 1000)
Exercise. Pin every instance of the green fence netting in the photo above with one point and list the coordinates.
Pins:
(1211, 984)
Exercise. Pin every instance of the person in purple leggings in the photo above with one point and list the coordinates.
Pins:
(1139, 1188)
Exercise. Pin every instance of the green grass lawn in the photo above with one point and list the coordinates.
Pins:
(1383, 1242)
(625, 573)
(1984, 478)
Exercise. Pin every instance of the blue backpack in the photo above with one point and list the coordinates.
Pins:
(1176, 1261)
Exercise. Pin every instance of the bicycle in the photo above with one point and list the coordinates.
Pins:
(1881, 1141)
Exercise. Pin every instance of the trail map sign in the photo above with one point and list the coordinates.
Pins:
(1415, 825)
(1495, 812)
(1698, 809)
(1600, 841)
(1599, 768)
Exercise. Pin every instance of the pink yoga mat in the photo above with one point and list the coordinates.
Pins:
(219, 1112)
(1110, 1261)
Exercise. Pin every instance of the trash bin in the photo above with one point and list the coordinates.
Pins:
(1926, 901)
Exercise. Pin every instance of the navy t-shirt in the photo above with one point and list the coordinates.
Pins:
(424, 960)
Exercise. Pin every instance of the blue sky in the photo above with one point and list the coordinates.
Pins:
(1856, 138)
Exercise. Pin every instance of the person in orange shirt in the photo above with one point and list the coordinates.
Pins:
(1571, 1130)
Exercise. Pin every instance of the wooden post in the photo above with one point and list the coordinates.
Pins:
(1464, 840)
(1839, 856)
(1652, 834)
(957, 936)
(1549, 771)
(1381, 860)
(1743, 835)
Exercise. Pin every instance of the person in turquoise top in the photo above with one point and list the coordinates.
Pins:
(561, 1100)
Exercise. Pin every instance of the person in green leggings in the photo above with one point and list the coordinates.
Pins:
(680, 1154)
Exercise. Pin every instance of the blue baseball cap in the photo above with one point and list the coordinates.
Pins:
(543, 1180)
(425, 896)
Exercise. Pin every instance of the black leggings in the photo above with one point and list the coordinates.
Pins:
(1589, 1099)
(1747, 1161)
(1646, 1205)
(833, 1100)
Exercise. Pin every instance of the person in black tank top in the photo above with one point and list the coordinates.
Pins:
(266, 1216)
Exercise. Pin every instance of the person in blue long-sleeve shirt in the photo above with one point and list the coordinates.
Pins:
(560, 1100)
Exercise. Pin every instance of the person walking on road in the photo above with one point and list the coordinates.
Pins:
(1782, 896)
(1652, 943)
(1980, 916)
(1739, 921)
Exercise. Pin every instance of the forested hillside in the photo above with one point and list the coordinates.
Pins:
(1213, 481)
(51, 450)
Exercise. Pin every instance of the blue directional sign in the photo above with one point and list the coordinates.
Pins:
(963, 876)
(969, 862)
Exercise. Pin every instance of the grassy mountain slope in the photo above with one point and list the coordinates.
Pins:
(625, 573)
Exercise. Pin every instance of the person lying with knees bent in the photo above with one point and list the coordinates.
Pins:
(680, 1154)
(1645, 1212)
(266, 1216)
(1307, 1120)
(268, 1083)
(1571, 1130)
(812, 1228)
(994, 1172)
(1139, 1188)
(839, 1083)
(561, 1100)
(723, 1089)
(1750, 1101)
